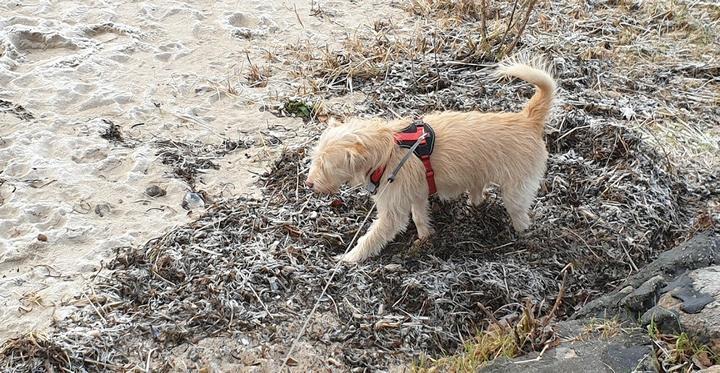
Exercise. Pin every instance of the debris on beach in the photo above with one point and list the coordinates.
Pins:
(612, 200)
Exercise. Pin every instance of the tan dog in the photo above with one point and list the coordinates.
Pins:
(471, 151)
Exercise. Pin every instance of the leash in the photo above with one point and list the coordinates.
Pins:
(390, 179)
(404, 159)
(324, 291)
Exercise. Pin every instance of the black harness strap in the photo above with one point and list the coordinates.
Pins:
(419, 137)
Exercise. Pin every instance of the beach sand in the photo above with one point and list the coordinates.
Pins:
(162, 73)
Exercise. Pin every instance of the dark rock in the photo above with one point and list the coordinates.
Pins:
(583, 353)
(640, 291)
(693, 301)
(701, 251)
(155, 191)
(664, 319)
(644, 296)
(697, 304)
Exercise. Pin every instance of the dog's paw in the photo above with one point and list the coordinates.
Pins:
(477, 199)
(419, 245)
(425, 232)
(351, 257)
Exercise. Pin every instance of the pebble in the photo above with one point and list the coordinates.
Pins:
(155, 191)
(102, 209)
(42, 237)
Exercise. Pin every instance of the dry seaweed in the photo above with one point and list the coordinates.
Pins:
(247, 264)
(189, 160)
(15, 109)
(612, 200)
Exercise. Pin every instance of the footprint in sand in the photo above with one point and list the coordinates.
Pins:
(246, 26)
(171, 52)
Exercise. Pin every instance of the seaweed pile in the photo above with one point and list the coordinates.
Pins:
(253, 266)
(610, 202)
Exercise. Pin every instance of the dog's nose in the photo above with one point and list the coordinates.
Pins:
(309, 184)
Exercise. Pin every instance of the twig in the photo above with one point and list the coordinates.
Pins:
(298, 16)
(558, 301)
(531, 5)
(512, 15)
(535, 359)
(95, 308)
(483, 20)
(147, 364)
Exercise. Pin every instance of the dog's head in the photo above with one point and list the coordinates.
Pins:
(345, 153)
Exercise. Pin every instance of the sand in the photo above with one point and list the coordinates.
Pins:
(161, 71)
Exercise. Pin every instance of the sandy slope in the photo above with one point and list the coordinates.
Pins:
(161, 70)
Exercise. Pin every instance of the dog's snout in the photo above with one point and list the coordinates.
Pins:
(309, 183)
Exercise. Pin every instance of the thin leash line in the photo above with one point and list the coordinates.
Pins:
(332, 275)
(404, 159)
(339, 263)
(324, 291)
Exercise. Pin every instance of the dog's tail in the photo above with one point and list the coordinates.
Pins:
(534, 71)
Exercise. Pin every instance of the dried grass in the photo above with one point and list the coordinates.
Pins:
(506, 338)
(680, 352)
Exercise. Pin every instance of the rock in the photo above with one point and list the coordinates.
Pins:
(155, 191)
(580, 352)
(642, 291)
(665, 320)
(645, 296)
(41, 237)
(694, 299)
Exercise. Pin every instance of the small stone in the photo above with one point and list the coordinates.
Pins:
(666, 320)
(102, 209)
(155, 191)
(41, 237)
(645, 296)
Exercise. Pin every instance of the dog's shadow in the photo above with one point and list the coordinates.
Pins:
(460, 231)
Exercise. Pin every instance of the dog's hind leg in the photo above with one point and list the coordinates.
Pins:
(518, 199)
(391, 220)
(421, 217)
(476, 196)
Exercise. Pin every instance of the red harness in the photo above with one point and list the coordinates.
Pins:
(406, 139)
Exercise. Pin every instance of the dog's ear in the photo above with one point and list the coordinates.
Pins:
(357, 154)
(333, 122)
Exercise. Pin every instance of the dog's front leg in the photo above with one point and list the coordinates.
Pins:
(390, 221)
(421, 217)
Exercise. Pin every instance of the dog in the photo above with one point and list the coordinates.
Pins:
(471, 151)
